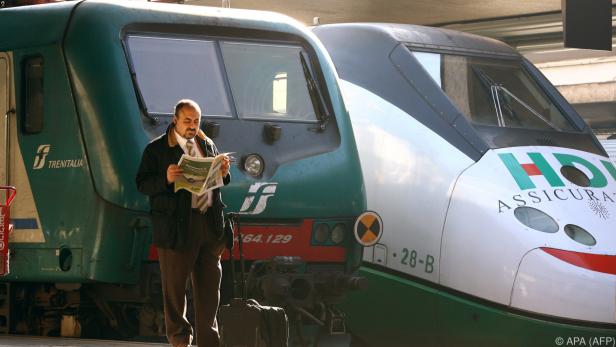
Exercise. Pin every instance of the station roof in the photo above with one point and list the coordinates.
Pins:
(423, 12)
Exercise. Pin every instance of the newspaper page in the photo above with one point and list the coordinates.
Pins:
(199, 174)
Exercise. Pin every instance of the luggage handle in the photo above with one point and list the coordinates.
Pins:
(10, 194)
(235, 217)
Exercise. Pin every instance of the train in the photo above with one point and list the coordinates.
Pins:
(494, 201)
(85, 85)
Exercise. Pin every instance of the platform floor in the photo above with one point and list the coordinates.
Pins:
(10, 341)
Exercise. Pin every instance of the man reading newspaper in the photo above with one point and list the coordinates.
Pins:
(187, 224)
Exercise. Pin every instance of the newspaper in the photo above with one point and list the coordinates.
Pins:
(199, 174)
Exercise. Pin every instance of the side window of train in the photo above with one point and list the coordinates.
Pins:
(274, 70)
(168, 69)
(33, 78)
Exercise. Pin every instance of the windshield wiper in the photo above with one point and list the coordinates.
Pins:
(318, 103)
(528, 107)
(144, 108)
(492, 87)
(501, 103)
(154, 121)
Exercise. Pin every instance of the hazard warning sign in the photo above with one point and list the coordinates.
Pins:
(368, 228)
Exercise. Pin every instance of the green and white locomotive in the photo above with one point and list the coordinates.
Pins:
(85, 85)
(496, 201)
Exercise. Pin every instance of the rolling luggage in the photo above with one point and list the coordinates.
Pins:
(244, 322)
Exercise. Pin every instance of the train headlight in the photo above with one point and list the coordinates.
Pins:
(580, 235)
(253, 164)
(536, 219)
(322, 233)
(338, 233)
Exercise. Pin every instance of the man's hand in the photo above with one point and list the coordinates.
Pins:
(173, 172)
(224, 168)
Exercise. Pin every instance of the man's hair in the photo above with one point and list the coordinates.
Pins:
(185, 103)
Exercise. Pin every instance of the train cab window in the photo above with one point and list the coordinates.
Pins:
(493, 92)
(276, 72)
(169, 69)
(33, 95)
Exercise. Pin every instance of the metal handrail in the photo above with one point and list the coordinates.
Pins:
(7, 145)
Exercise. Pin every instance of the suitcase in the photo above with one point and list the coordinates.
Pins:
(244, 322)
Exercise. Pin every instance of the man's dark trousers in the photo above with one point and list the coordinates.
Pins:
(201, 261)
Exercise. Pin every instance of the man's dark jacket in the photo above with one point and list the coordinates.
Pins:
(171, 212)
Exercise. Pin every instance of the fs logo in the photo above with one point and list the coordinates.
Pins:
(539, 166)
(41, 154)
(256, 201)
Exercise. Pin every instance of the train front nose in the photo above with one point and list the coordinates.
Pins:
(567, 284)
(522, 233)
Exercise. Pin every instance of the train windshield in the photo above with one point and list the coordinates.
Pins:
(268, 81)
(493, 92)
(253, 80)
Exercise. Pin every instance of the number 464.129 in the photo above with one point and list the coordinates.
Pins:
(259, 238)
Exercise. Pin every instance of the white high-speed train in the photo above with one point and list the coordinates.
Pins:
(496, 201)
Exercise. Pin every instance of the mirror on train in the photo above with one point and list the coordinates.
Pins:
(272, 132)
(211, 129)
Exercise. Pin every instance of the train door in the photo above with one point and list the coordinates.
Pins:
(13, 172)
(5, 114)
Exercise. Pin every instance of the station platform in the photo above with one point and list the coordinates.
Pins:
(32, 341)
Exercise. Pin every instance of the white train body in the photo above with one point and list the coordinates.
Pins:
(458, 217)
(458, 199)
(488, 252)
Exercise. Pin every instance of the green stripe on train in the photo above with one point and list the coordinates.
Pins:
(394, 311)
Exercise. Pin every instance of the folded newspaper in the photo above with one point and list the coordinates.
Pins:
(199, 174)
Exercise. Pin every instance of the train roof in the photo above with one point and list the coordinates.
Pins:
(34, 25)
(44, 24)
(378, 57)
(420, 37)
